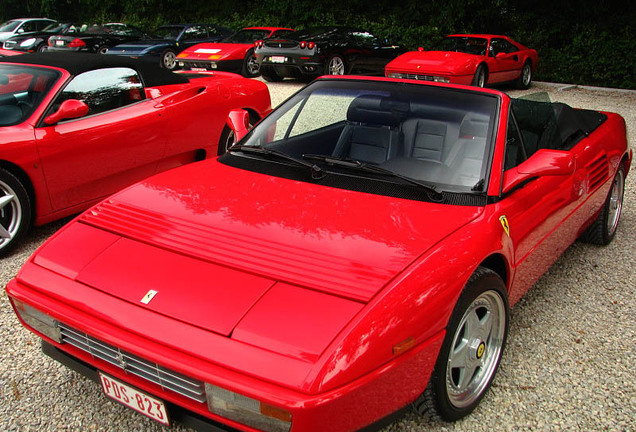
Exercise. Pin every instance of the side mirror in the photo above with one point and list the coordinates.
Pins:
(69, 109)
(543, 163)
(501, 55)
(420, 49)
(239, 121)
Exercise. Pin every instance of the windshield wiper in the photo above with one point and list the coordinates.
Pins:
(317, 173)
(433, 192)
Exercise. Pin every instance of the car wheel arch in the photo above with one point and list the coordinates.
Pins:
(497, 263)
(24, 178)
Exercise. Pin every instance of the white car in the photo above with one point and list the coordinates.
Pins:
(22, 25)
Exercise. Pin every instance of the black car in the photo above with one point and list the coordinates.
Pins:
(36, 41)
(168, 41)
(324, 51)
(96, 38)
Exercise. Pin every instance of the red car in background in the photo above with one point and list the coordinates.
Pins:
(354, 253)
(233, 54)
(75, 128)
(8, 53)
(478, 60)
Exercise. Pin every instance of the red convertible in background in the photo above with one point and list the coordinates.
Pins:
(76, 128)
(234, 54)
(356, 252)
(478, 60)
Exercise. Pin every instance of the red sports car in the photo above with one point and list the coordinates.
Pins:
(8, 53)
(477, 60)
(234, 54)
(74, 129)
(354, 253)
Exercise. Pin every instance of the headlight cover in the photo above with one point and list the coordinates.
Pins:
(248, 411)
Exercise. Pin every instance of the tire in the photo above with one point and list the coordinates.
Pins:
(250, 67)
(335, 65)
(168, 60)
(270, 75)
(524, 80)
(102, 49)
(15, 211)
(227, 136)
(42, 48)
(603, 229)
(471, 351)
(481, 77)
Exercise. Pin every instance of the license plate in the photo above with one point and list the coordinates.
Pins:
(59, 42)
(278, 59)
(133, 398)
(198, 69)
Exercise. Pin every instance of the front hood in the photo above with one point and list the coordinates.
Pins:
(433, 62)
(246, 255)
(215, 51)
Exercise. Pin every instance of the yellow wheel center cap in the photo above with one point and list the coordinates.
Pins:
(481, 349)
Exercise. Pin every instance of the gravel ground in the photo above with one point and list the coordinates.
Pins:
(569, 365)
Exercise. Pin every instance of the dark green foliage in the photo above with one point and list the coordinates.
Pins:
(582, 42)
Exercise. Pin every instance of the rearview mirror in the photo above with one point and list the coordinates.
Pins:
(69, 109)
(543, 163)
(239, 121)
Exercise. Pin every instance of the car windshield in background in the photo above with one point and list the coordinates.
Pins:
(9, 26)
(468, 45)
(247, 36)
(434, 135)
(168, 32)
(22, 89)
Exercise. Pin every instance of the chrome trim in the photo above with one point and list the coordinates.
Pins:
(135, 365)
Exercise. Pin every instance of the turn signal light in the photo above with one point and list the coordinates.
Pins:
(259, 44)
(303, 44)
(311, 45)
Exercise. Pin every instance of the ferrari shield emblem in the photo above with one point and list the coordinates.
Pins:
(504, 224)
(149, 296)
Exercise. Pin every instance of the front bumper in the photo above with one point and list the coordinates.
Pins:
(211, 65)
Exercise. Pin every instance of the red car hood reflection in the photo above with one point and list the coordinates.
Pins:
(213, 239)
(432, 62)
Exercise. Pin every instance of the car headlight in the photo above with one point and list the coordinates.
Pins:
(38, 320)
(441, 79)
(247, 411)
(396, 75)
(27, 43)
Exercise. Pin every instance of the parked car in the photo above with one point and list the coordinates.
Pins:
(356, 252)
(37, 41)
(167, 41)
(478, 60)
(324, 51)
(96, 38)
(22, 25)
(75, 128)
(233, 54)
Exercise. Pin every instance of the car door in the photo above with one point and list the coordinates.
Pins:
(119, 142)
(540, 214)
(505, 62)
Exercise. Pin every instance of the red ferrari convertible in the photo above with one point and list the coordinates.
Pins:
(354, 253)
(477, 60)
(234, 54)
(75, 128)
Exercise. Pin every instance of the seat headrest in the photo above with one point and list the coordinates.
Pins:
(374, 109)
(10, 114)
(474, 125)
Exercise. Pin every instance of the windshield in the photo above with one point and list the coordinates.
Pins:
(168, 32)
(435, 135)
(468, 45)
(9, 26)
(247, 36)
(22, 89)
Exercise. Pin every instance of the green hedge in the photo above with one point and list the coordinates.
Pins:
(581, 42)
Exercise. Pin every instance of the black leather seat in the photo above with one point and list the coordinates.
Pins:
(371, 134)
